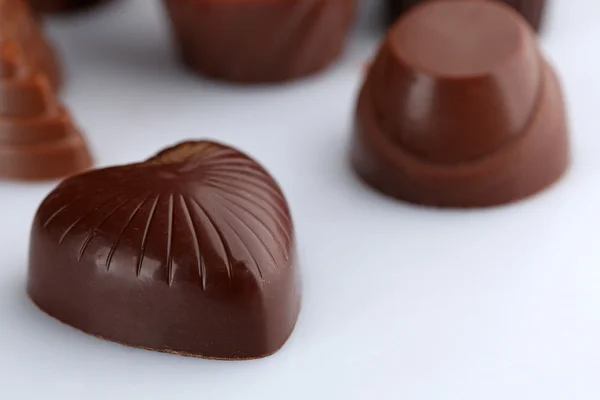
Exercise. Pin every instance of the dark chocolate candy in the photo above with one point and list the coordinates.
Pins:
(255, 41)
(532, 10)
(56, 6)
(460, 109)
(191, 252)
(17, 25)
(38, 140)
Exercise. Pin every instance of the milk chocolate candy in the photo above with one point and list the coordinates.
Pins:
(460, 109)
(38, 140)
(260, 41)
(17, 25)
(59, 6)
(532, 10)
(190, 252)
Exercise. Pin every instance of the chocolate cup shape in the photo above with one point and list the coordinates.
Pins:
(531, 10)
(61, 6)
(18, 26)
(260, 41)
(37, 138)
(468, 115)
(191, 252)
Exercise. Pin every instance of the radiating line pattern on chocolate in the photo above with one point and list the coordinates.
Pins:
(192, 212)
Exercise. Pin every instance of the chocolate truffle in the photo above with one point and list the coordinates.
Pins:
(38, 140)
(532, 10)
(56, 6)
(260, 41)
(190, 252)
(460, 109)
(17, 25)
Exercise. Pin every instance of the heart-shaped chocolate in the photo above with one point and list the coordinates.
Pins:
(190, 252)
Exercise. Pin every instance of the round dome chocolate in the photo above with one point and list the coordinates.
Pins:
(190, 252)
(460, 109)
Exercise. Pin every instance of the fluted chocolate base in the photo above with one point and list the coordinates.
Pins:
(18, 25)
(260, 41)
(38, 140)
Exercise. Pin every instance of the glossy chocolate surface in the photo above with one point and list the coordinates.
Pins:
(460, 109)
(18, 26)
(255, 41)
(532, 10)
(38, 140)
(55, 6)
(191, 252)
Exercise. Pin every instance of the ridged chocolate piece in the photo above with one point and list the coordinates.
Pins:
(18, 26)
(37, 138)
(60, 6)
(460, 109)
(532, 10)
(191, 252)
(257, 41)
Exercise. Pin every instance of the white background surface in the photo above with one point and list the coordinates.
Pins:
(399, 302)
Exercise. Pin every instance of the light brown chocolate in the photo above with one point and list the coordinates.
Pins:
(20, 27)
(38, 140)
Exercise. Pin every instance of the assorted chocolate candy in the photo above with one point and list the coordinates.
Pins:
(190, 252)
(193, 251)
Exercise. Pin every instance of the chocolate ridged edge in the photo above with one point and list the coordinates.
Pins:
(38, 140)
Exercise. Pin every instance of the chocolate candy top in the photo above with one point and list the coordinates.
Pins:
(457, 87)
(191, 251)
(532, 10)
(17, 25)
(460, 109)
(38, 140)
